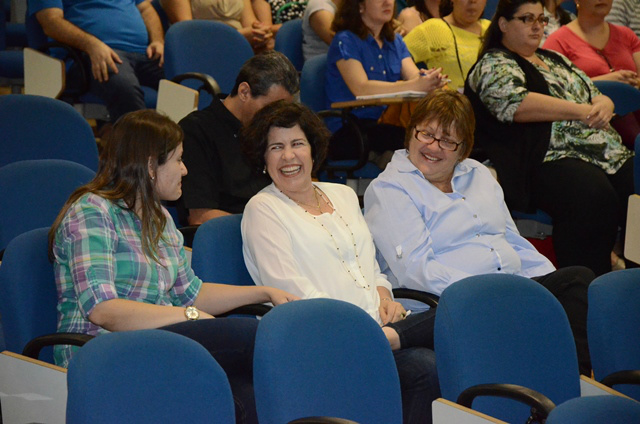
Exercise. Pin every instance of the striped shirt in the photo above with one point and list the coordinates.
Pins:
(626, 13)
(98, 256)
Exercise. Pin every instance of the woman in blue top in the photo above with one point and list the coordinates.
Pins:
(367, 57)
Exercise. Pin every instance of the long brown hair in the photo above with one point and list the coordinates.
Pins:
(348, 18)
(139, 140)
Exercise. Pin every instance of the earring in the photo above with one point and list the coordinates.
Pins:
(264, 170)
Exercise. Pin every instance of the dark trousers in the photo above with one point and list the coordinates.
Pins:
(570, 285)
(416, 363)
(587, 206)
(230, 341)
(122, 92)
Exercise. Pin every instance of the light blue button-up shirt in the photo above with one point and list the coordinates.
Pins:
(427, 239)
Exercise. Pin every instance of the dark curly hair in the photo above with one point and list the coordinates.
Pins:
(283, 114)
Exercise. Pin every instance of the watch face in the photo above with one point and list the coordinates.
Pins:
(192, 313)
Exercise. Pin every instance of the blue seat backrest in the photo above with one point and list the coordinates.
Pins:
(36, 127)
(217, 252)
(208, 47)
(613, 325)
(289, 42)
(501, 328)
(312, 81)
(147, 377)
(33, 192)
(28, 298)
(324, 357)
(626, 98)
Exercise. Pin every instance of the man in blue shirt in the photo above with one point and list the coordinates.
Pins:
(123, 41)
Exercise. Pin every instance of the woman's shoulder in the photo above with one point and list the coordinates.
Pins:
(346, 36)
(623, 32)
(92, 201)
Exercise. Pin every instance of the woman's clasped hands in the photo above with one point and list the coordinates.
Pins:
(430, 79)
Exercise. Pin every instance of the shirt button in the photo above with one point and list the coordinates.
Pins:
(475, 216)
(371, 68)
(464, 198)
(384, 72)
(477, 235)
(499, 269)
(379, 56)
(491, 250)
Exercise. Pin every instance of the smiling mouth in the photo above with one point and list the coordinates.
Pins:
(430, 158)
(290, 170)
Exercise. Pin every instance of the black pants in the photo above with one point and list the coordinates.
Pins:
(570, 285)
(587, 207)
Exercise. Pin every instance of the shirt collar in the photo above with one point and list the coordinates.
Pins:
(386, 44)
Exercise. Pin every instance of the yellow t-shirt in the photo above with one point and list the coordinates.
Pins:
(432, 42)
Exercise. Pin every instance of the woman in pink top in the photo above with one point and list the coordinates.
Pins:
(603, 51)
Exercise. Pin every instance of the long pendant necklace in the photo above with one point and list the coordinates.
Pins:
(358, 283)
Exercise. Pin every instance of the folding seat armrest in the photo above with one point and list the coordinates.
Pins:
(362, 144)
(33, 348)
(622, 377)
(540, 405)
(322, 420)
(257, 309)
(427, 298)
(209, 84)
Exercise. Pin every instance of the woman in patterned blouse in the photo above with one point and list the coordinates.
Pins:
(545, 127)
(120, 264)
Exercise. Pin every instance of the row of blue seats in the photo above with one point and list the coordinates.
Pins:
(489, 328)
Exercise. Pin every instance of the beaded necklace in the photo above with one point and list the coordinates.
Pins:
(335, 243)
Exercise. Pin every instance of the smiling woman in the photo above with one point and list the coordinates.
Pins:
(311, 239)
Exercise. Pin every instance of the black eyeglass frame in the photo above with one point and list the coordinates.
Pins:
(439, 140)
(542, 20)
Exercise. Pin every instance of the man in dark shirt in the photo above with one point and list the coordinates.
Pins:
(220, 181)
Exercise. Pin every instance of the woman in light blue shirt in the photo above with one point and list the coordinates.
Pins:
(437, 216)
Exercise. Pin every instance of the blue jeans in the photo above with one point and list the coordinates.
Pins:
(122, 93)
(416, 363)
(230, 341)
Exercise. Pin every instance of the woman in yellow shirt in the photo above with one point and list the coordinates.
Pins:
(452, 42)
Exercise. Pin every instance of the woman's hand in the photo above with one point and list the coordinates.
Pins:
(601, 113)
(625, 76)
(278, 297)
(391, 311)
(430, 79)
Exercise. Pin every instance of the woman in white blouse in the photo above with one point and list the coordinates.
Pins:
(312, 239)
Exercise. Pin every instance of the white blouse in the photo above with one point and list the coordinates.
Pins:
(286, 247)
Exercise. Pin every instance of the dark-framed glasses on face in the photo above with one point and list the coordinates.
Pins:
(428, 138)
(529, 19)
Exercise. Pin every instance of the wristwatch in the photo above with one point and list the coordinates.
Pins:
(192, 313)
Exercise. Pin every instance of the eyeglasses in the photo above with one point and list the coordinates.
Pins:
(428, 138)
(529, 19)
